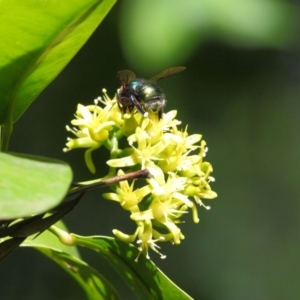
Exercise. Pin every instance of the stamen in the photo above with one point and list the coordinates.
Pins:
(202, 204)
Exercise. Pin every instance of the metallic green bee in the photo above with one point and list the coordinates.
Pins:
(141, 93)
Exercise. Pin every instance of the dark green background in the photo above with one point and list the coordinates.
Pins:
(246, 103)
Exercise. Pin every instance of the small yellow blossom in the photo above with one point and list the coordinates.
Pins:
(94, 124)
(145, 239)
(127, 196)
(181, 178)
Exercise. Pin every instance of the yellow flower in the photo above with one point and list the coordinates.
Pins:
(127, 196)
(181, 177)
(155, 128)
(176, 155)
(199, 178)
(145, 239)
(93, 125)
(144, 154)
(144, 233)
(173, 193)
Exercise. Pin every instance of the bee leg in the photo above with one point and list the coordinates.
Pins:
(138, 106)
(160, 112)
(119, 101)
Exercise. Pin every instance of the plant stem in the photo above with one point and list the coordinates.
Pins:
(113, 180)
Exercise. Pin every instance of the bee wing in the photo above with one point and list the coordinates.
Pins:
(167, 73)
(125, 76)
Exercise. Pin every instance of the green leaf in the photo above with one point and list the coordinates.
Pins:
(8, 245)
(19, 232)
(38, 39)
(94, 284)
(31, 185)
(49, 240)
(143, 277)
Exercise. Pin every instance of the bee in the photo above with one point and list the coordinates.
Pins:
(142, 94)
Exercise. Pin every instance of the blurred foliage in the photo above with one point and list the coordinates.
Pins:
(160, 33)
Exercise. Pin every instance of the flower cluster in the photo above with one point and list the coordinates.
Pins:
(180, 176)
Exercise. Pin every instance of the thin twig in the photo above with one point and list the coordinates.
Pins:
(113, 180)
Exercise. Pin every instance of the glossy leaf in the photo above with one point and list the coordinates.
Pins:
(8, 245)
(12, 236)
(94, 284)
(143, 277)
(48, 239)
(31, 185)
(38, 38)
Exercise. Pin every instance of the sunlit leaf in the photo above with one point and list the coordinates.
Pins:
(143, 277)
(38, 38)
(93, 283)
(31, 185)
(48, 239)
